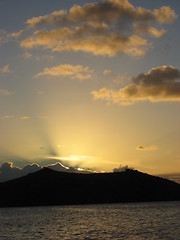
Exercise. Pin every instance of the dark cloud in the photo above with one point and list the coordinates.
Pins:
(8, 171)
(158, 85)
(121, 168)
(147, 148)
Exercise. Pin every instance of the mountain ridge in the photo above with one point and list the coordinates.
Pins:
(50, 187)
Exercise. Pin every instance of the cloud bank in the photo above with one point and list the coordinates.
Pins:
(160, 84)
(103, 28)
(8, 171)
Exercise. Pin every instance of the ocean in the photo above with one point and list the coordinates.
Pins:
(136, 221)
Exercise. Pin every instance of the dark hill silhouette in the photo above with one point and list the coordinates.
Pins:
(49, 187)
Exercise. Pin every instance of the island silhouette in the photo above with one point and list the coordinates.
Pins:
(49, 187)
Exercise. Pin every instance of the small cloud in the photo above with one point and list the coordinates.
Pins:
(5, 69)
(41, 58)
(27, 55)
(172, 176)
(107, 72)
(7, 117)
(147, 148)
(5, 92)
(3, 37)
(66, 70)
(115, 78)
(25, 118)
(121, 168)
(16, 34)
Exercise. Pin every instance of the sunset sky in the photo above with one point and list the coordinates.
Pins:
(94, 84)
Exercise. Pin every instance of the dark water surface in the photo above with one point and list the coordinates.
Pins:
(158, 220)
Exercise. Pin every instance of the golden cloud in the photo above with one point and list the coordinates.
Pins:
(66, 70)
(105, 11)
(101, 28)
(159, 84)
(69, 40)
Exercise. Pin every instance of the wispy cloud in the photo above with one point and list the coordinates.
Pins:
(3, 37)
(158, 85)
(25, 117)
(147, 148)
(5, 92)
(106, 28)
(27, 55)
(5, 117)
(5, 69)
(16, 34)
(66, 70)
(107, 72)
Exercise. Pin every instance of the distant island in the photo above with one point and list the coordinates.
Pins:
(49, 187)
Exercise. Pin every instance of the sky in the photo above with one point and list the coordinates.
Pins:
(92, 84)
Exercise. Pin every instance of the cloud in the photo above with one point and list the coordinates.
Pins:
(66, 70)
(116, 78)
(5, 92)
(41, 58)
(3, 37)
(5, 69)
(8, 171)
(171, 176)
(16, 34)
(27, 55)
(7, 117)
(89, 41)
(107, 72)
(147, 148)
(30, 168)
(121, 168)
(25, 118)
(103, 28)
(158, 85)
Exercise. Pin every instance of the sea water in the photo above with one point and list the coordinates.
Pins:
(158, 220)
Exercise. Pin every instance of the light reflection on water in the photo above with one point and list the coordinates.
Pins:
(135, 221)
